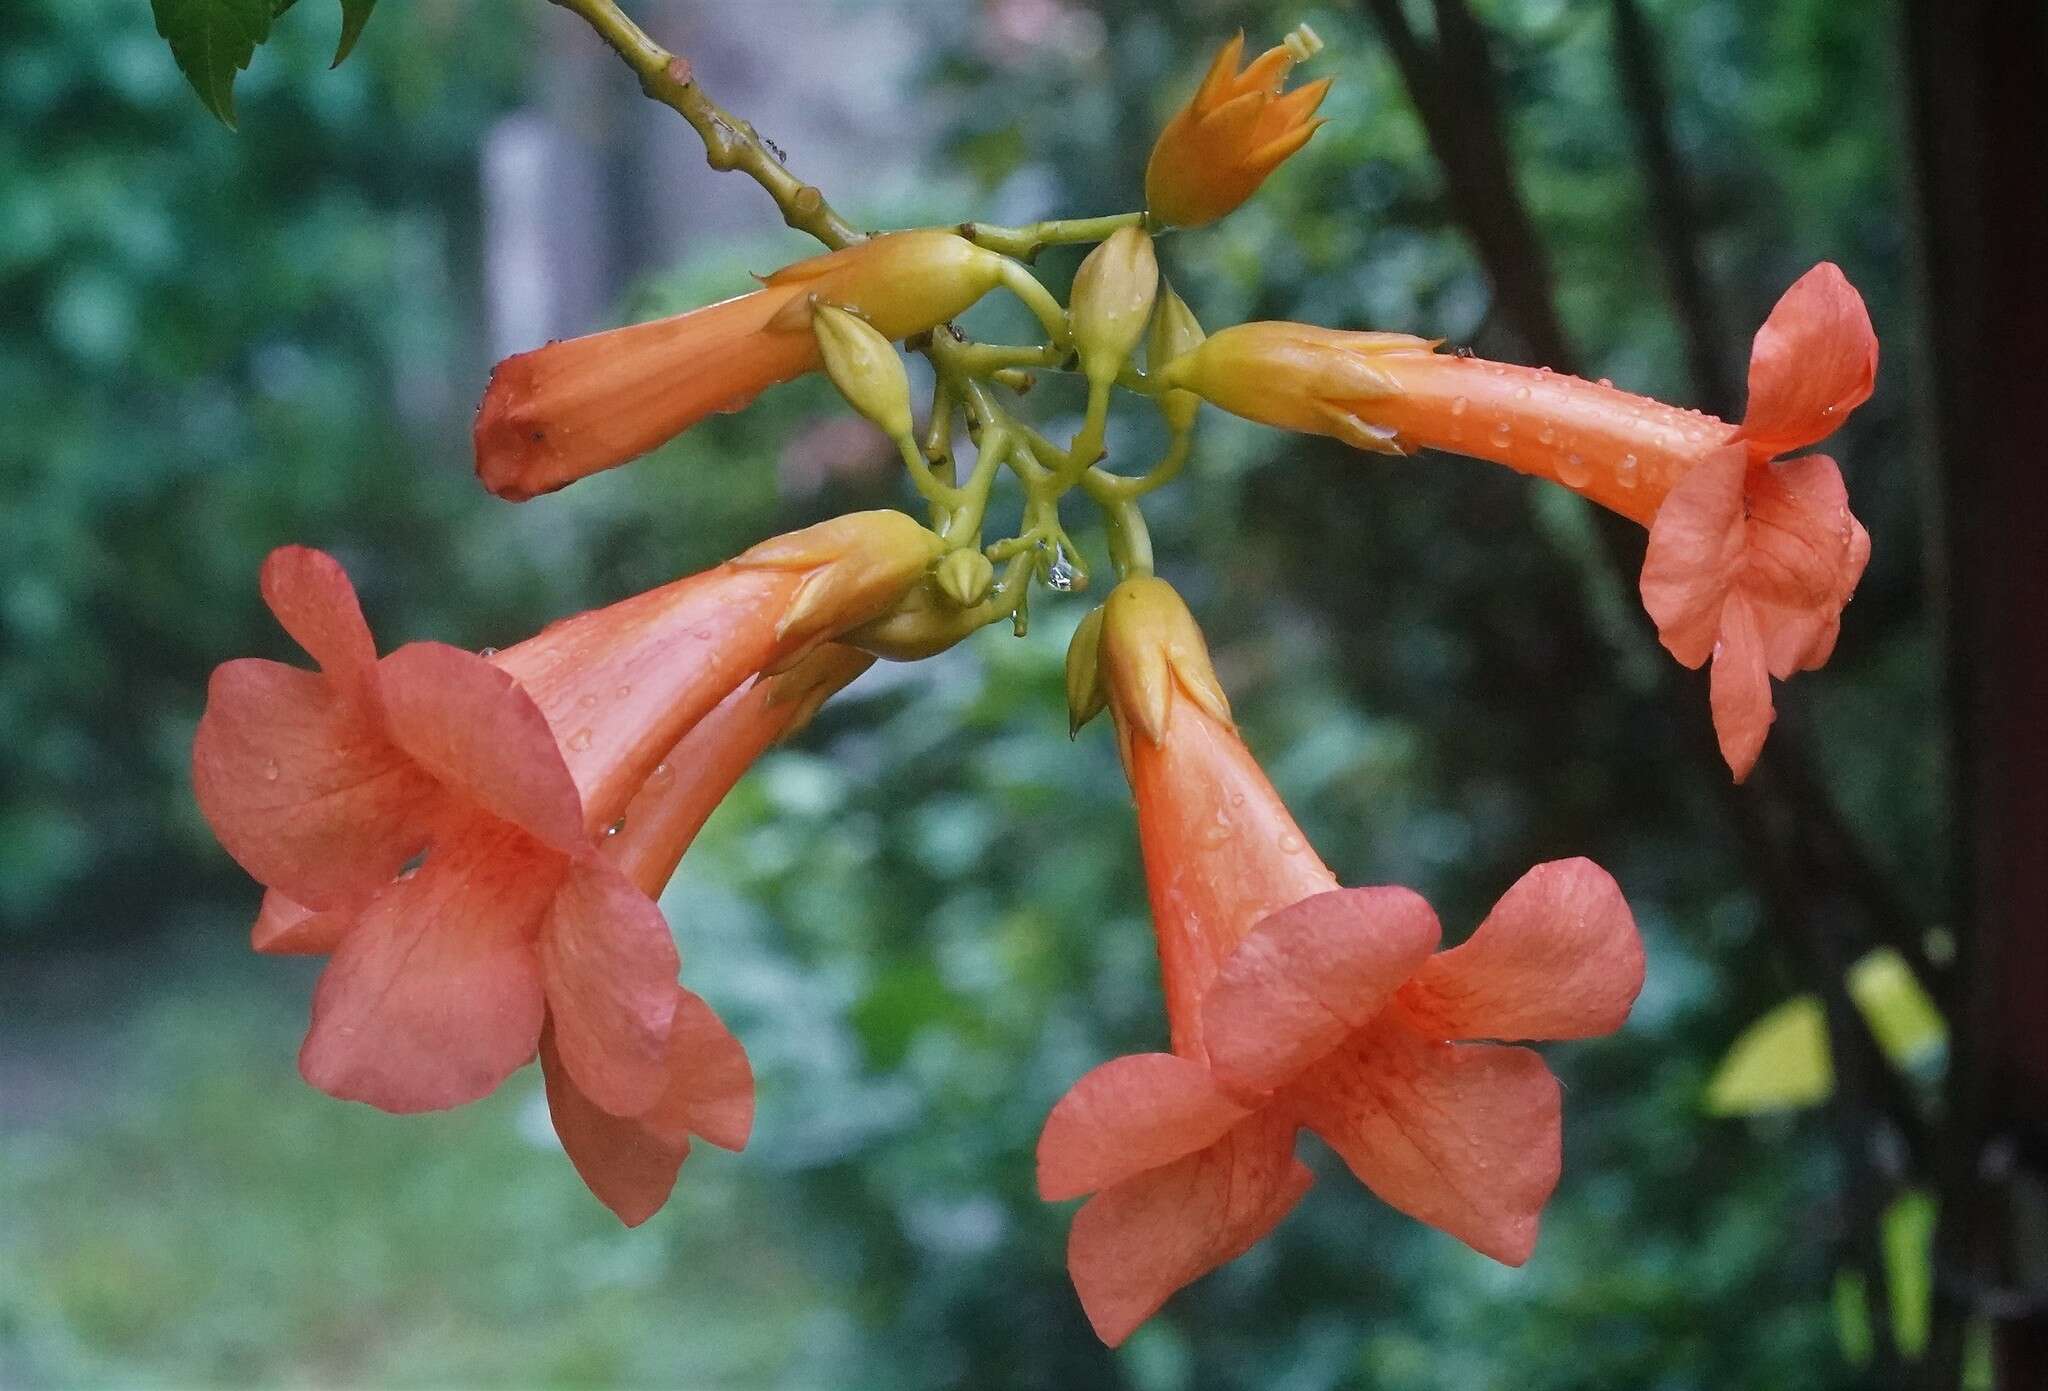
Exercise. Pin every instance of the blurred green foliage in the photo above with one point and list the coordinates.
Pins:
(925, 918)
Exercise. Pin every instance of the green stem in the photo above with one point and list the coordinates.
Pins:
(729, 143)
(1047, 310)
(1027, 241)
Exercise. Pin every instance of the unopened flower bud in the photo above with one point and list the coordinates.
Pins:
(1112, 298)
(1086, 693)
(864, 367)
(1175, 332)
(965, 575)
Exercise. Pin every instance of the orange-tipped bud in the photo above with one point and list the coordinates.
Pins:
(1151, 652)
(1235, 130)
(574, 408)
(1112, 298)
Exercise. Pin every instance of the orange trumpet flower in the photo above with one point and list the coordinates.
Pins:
(1236, 129)
(582, 405)
(1751, 557)
(1293, 1002)
(506, 772)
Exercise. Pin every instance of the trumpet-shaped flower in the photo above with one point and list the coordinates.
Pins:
(1293, 1002)
(1751, 557)
(582, 405)
(1236, 129)
(631, 1162)
(506, 772)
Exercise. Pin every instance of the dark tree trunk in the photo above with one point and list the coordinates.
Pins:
(1978, 73)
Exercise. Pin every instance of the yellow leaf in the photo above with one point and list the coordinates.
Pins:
(1779, 1063)
(1905, 1020)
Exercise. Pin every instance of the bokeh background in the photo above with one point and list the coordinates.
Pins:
(925, 916)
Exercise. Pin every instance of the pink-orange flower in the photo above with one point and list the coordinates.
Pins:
(1751, 558)
(1293, 1002)
(581, 405)
(1235, 131)
(506, 772)
(631, 1162)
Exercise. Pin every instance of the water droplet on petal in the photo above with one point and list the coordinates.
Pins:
(1573, 472)
(1290, 844)
(623, 691)
(1542, 371)
(270, 770)
(1237, 799)
(704, 634)
(616, 827)
(580, 740)
(662, 773)
(487, 652)
(585, 701)
(1501, 431)
(1458, 406)
(1547, 435)
(1625, 472)
(1607, 382)
(1521, 393)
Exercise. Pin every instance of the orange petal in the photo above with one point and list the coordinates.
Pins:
(287, 928)
(472, 727)
(1558, 957)
(300, 784)
(631, 1170)
(1463, 1136)
(576, 407)
(1814, 361)
(710, 1089)
(434, 997)
(1134, 1245)
(609, 966)
(620, 685)
(313, 600)
(1308, 976)
(1129, 1115)
(1740, 689)
(1696, 550)
(1803, 545)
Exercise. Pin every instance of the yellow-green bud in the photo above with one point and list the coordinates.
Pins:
(1113, 293)
(1175, 331)
(965, 576)
(1086, 692)
(864, 367)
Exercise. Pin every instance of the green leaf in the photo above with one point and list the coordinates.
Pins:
(1779, 1063)
(1909, 1268)
(354, 15)
(212, 40)
(1852, 1319)
(1908, 1026)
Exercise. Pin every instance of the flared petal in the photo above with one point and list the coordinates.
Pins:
(1558, 957)
(472, 727)
(630, 1169)
(609, 965)
(1126, 1116)
(1814, 361)
(313, 600)
(286, 928)
(1134, 1245)
(1802, 538)
(1307, 977)
(1463, 1136)
(1740, 690)
(1697, 548)
(434, 996)
(297, 779)
(710, 1088)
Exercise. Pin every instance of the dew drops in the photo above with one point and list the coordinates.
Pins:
(1237, 799)
(580, 740)
(1625, 472)
(622, 692)
(1607, 382)
(1290, 844)
(1547, 435)
(662, 773)
(586, 701)
(1573, 472)
(1458, 406)
(487, 652)
(1542, 371)
(704, 634)
(1501, 431)
(270, 770)
(616, 827)
(1521, 393)
(1060, 574)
